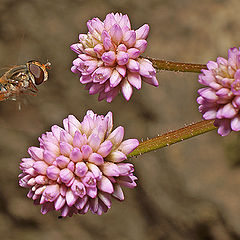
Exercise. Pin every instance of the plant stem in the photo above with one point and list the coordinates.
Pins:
(170, 138)
(177, 66)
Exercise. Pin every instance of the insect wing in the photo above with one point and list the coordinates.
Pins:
(4, 94)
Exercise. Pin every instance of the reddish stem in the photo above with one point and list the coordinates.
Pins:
(170, 138)
(177, 66)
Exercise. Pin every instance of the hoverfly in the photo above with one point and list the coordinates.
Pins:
(22, 79)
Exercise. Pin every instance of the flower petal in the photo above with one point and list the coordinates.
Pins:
(105, 185)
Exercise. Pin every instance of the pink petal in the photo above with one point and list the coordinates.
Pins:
(121, 47)
(127, 90)
(208, 94)
(109, 58)
(235, 86)
(78, 188)
(70, 198)
(49, 157)
(223, 92)
(129, 38)
(65, 148)
(40, 190)
(76, 155)
(109, 21)
(105, 148)
(212, 65)
(122, 58)
(94, 141)
(118, 192)
(51, 147)
(153, 81)
(62, 161)
(223, 126)
(96, 158)
(116, 136)
(142, 32)
(133, 53)
(116, 157)
(235, 123)
(116, 33)
(72, 119)
(95, 171)
(86, 151)
(41, 180)
(229, 111)
(133, 65)
(66, 175)
(141, 45)
(112, 94)
(51, 192)
(236, 102)
(106, 198)
(79, 140)
(80, 203)
(92, 192)
(52, 172)
(40, 167)
(65, 211)
(146, 68)
(102, 74)
(110, 169)
(31, 182)
(210, 114)
(99, 49)
(102, 208)
(135, 80)
(109, 119)
(81, 169)
(89, 180)
(71, 166)
(105, 185)
(90, 52)
(59, 202)
(26, 163)
(125, 168)
(84, 79)
(127, 181)
(75, 70)
(206, 78)
(128, 146)
(36, 153)
(77, 48)
(115, 79)
(56, 130)
(125, 22)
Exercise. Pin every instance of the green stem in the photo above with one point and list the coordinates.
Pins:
(177, 66)
(170, 138)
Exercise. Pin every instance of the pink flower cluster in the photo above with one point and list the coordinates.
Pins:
(80, 167)
(220, 100)
(109, 57)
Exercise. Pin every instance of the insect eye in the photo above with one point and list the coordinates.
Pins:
(37, 72)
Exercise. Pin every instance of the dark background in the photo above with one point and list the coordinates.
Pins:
(187, 191)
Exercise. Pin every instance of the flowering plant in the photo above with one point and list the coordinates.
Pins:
(220, 100)
(109, 57)
(81, 167)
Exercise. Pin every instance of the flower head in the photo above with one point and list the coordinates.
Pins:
(220, 100)
(109, 57)
(80, 167)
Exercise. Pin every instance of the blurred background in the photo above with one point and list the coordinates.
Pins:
(186, 191)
